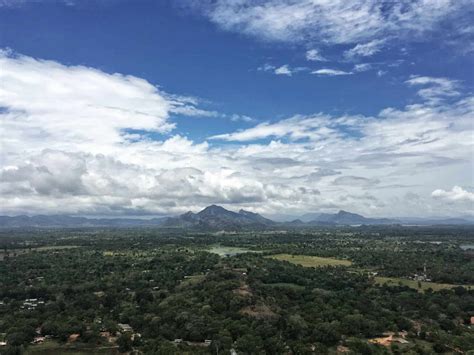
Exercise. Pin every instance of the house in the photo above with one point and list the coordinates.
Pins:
(472, 320)
(125, 328)
(38, 340)
(178, 341)
(3, 343)
(73, 337)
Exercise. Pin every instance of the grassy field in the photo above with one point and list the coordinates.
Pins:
(53, 347)
(395, 281)
(310, 261)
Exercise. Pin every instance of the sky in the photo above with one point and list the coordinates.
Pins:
(282, 107)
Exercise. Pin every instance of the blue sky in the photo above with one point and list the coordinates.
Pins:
(278, 106)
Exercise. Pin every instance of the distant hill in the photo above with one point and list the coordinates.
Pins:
(61, 221)
(348, 218)
(216, 217)
(437, 221)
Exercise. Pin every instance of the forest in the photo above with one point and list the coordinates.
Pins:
(359, 290)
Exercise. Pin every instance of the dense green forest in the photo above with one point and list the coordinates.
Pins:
(154, 292)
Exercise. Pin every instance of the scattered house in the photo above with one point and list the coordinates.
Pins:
(73, 337)
(178, 341)
(31, 303)
(233, 352)
(110, 338)
(135, 336)
(207, 342)
(125, 328)
(472, 320)
(203, 344)
(3, 343)
(38, 340)
(341, 349)
(423, 276)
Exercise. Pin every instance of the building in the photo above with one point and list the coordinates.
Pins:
(125, 328)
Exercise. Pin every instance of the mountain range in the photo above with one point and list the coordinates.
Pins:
(217, 218)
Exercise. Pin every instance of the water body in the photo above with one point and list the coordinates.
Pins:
(467, 247)
(228, 251)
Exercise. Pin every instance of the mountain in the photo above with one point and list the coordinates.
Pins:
(218, 218)
(346, 218)
(309, 217)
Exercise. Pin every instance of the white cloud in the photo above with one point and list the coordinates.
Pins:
(435, 89)
(241, 118)
(78, 140)
(365, 49)
(266, 67)
(362, 67)
(283, 70)
(315, 56)
(457, 193)
(45, 100)
(333, 22)
(330, 72)
(413, 149)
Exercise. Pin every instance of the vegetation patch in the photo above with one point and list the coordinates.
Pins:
(286, 285)
(259, 311)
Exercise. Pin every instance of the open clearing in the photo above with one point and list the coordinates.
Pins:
(54, 347)
(435, 286)
(310, 261)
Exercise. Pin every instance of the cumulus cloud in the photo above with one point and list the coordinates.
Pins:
(333, 22)
(456, 194)
(383, 153)
(57, 106)
(315, 56)
(330, 72)
(77, 140)
(283, 70)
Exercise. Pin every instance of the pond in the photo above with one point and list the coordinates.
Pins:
(225, 251)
